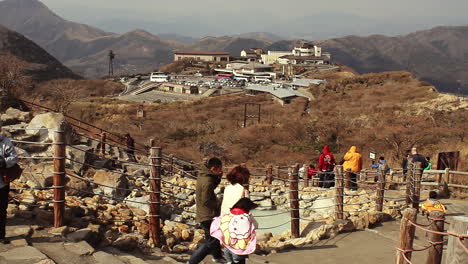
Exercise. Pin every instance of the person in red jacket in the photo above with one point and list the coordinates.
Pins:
(326, 163)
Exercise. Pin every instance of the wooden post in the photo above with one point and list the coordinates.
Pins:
(434, 255)
(339, 192)
(406, 235)
(455, 254)
(269, 173)
(59, 175)
(277, 172)
(103, 143)
(409, 183)
(380, 190)
(443, 186)
(418, 171)
(171, 164)
(294, 200)
(305, 176)
(155, 195)
(347, 179)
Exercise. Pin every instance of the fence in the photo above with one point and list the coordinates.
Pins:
(270, 177)
(457, 249)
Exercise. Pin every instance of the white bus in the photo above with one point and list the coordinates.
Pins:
(263, 78)
(159, 77)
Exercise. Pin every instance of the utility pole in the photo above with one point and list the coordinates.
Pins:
(248, 117)
(111, 63)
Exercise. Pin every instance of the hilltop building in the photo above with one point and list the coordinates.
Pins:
(249, 70)
(303, 53)
(201, 55)
(279, 94)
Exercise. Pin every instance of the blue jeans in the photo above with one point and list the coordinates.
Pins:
(233, 258)
(211, 246)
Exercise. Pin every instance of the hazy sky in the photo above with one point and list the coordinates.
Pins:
(262, 15)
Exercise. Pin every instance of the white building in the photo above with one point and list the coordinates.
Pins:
(272, 56)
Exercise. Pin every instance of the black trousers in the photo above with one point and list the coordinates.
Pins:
(3, 209)
(211, 246)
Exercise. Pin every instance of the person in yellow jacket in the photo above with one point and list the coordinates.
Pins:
(353, 161)
(432, 204)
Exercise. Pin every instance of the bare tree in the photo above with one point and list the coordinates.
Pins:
(12, 78)
(65, 93)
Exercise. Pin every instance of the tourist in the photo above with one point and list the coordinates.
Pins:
(302, 170)
(431, 204)
(353, 163)
(8, 159)
(236, 231)
(381, 166)
(311, 172)
(416, 157)
(130, 147)
(404, 164)
(429, 166)
(238, 178)
(208, 208)
(326, 164)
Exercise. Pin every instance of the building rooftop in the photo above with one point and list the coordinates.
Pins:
(281, 93)
(208, 53)
(292, 57)
(305, 82)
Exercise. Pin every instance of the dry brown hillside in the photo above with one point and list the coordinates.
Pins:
(386, 112)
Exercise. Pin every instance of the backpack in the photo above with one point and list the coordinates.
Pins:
(11, 174)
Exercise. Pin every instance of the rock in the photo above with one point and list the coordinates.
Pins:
(19, 242)
(14, 116)
(264, 236)
(378, 217)
(21, 231)
(113, 180)
(180, 249)
(104, 164)
(78, 157)
(43, 217)
(38, 175)
(360, 221)
(318, 233)
(76, 186)
(21, 255)
(102, 257)
(171, 240)
(81, 248)
(47, 124)
(59, 231)
(46, 261)
(344, 225)
(139, 203)
(82, 234)
(266, 205)
(324, 206)
(24, 214)
(186, 234)
(126, 243)
(132, 259)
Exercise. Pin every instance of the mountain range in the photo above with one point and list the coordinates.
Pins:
(41, 66)
(439, 55)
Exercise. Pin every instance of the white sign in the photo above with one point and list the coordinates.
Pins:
(372, 155)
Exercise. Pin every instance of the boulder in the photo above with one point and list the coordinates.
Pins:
(79, 157)
(38, 175)
(126, 243)
(85, 234)
(14, 116)
(45, 125)
(111, 184)
(266, 205)
(76, 186)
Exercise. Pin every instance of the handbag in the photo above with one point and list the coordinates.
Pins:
(11, 174)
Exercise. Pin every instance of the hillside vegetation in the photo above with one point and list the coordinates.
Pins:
(386, 112)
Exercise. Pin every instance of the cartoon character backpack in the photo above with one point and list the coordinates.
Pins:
(236, 231)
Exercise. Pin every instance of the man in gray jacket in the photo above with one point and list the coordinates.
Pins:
(8, 158)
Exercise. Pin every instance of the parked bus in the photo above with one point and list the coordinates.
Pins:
(159, 77)
(224, 76)
(263, 78)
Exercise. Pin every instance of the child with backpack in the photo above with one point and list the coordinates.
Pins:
(431, 204)
(236, 231)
